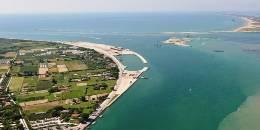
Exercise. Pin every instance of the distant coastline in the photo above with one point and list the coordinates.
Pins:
(252, 24)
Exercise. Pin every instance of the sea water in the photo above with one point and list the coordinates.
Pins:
(213, 85)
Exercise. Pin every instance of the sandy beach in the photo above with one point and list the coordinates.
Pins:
(249, 26)
(126, 78)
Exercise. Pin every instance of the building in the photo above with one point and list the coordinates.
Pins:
(48, 122)
(95, 98)
(24, 52)
(19, 62)
(43, 70)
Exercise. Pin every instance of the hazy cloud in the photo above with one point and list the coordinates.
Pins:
(61, 6)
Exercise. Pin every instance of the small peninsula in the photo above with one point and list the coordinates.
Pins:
(60, 85)
(252, 24)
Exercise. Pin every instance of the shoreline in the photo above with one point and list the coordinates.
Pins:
(126, 78)
(248, 26)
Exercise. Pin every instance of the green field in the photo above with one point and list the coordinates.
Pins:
(39, 109)
(86, 106)
(32, 68)
(30, 81)
(2, 71)
(32, 97)
(44, 85)
(75, 92)
(75, 65)
(15, 69)
(62, 79)
(91, 91)
(16, 84)
(84, 75)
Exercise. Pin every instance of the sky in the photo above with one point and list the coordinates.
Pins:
(77, 6)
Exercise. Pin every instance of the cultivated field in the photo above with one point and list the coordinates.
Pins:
(16, 84)
(62, 68)
(75, 65)
(10, 54)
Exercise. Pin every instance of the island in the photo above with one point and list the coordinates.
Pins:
(178, 42)
(60, 85)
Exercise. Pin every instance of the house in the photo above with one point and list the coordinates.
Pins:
(24, 52)
(19, 62)
(65, 111)
(75, 80)
(75, 115)
(95, 98)
(110, 78)
(47, 122)
(72, 52)
(43, 70)
(8, 103)
(73, 47)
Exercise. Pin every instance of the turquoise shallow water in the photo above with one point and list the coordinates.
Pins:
(188, 88)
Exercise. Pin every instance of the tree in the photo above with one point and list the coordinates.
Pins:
(83, 99)
(53, 90)
(54, 81)
(84, 116)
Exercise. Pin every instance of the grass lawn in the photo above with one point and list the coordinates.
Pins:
(31, 68)
(30, 81)
(88, 111)
(15, 69)
(37, 108)
(41, 107)
(4, 67)
(82, 72)
(35, 44)
(62, 79)
(51, 97)
(110, 83)
(96, 71)
(16, 84)
(96, 80)
(91, 91)
(44, 85)
(86, 106)
(32, 97)
(53, 70)
(2, 71)
(93, 80)
(75, 92)
(81, 105)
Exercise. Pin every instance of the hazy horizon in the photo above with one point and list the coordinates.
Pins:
(86, 6)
